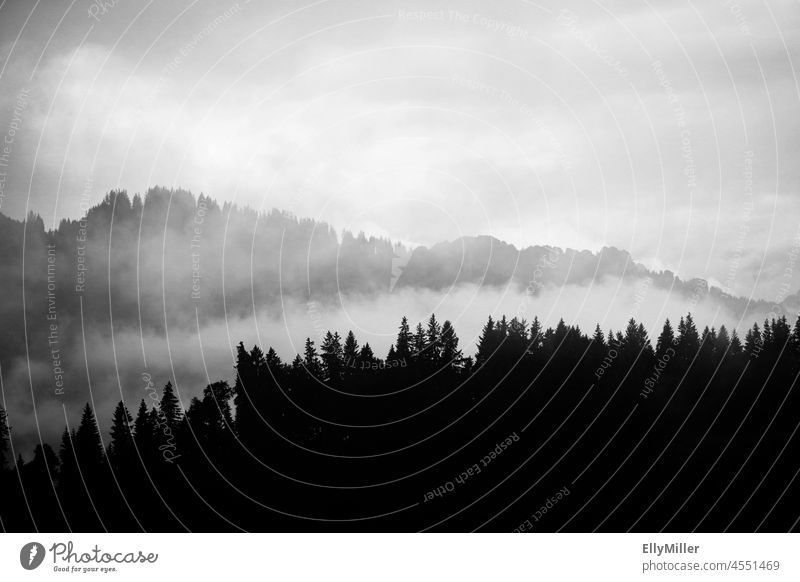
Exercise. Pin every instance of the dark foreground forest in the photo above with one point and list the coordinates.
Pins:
(543, 430)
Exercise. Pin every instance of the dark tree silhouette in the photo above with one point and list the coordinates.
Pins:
(695, 433)
(121, 448)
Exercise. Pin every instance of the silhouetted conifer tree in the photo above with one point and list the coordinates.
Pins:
(366, 355)
(433, 352)
(535, 342)
(332, 358)
(450, 354)
(350, 352)
(170, 407)
(88, 444)
(487, 343)
(419, 343)
(120, 448)
(753, 344)
(666, 340)
(403, 343)
(311, 359)
(143, 430)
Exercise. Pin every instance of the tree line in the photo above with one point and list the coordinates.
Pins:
(696, 430)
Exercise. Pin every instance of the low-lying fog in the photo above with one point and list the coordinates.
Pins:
(105, 369)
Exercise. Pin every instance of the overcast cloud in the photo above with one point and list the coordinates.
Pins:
(667, 129)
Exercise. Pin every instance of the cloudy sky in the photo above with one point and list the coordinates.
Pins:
(666, 128)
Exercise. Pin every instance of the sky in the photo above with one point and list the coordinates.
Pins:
(669, 129)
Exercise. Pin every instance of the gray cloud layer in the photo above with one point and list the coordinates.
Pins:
(668, 130)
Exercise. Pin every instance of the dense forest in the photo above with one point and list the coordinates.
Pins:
(542, 430)
(154, 262)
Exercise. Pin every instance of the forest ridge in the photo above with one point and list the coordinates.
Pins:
(339, 439)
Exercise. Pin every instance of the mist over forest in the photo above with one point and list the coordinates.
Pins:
(167, 284)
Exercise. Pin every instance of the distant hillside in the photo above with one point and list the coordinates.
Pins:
(485, 260)
(168, 258)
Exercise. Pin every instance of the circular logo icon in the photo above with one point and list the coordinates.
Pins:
(31, 555)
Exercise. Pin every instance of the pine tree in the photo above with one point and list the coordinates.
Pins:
(450, 354)
(433, 353)
(535, 342)
(170, 407)
(212, 417)
(311, 359)
(560, 333)
(403, 343)
(781, 333)
(88, 444)
(245, 390)
(44, 467)
(753, 343)
(688, 339)
(487, 343)
(332, 357)
(736, 344)
(120, 449)
(598, 338)
(707, 341)
(143, 431)
(258, 363)
(766, 335)
(635, 340)
(366, 354)
(795, 338)
(502, 329)
(517, 336)
(598, 347)
(419, 343)
(722, 343)
(350, 351)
